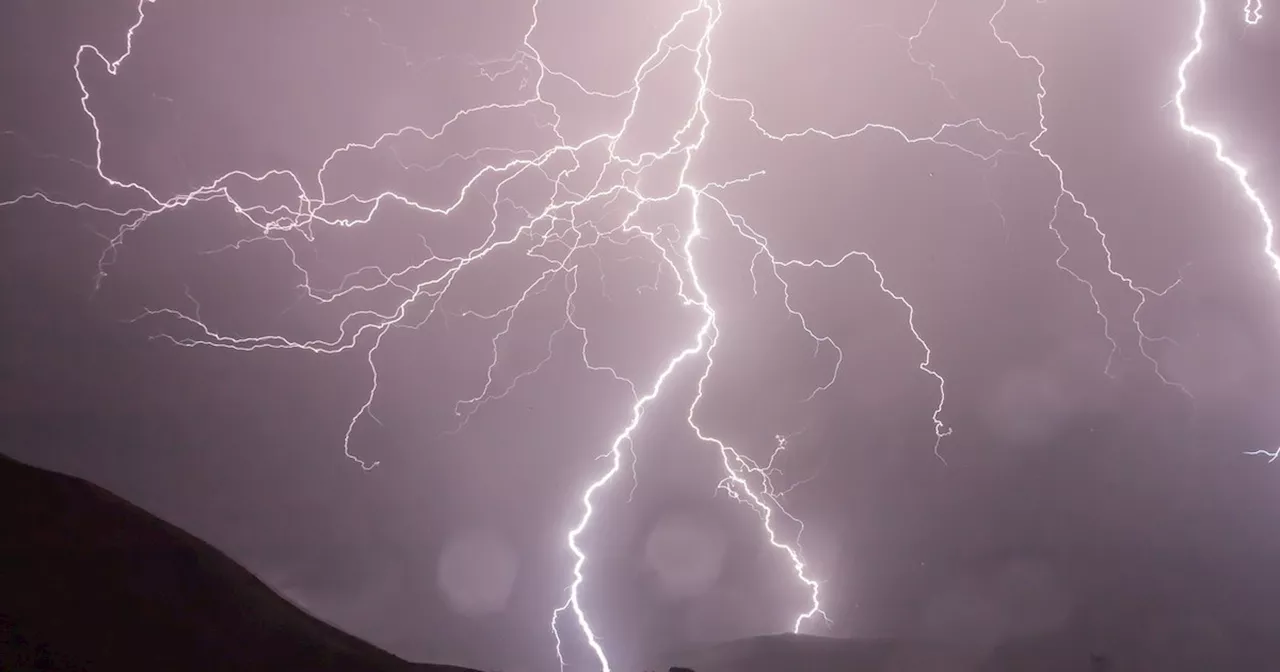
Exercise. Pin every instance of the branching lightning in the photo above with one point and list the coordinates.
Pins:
(1067, 196)
(555, 234)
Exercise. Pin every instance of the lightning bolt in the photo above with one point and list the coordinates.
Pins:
(560, 235)
(553, 226)
(1252, 15)
(1252, 12)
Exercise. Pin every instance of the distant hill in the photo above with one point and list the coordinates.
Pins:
(91, 582)
(780, 652)
(1252, 650)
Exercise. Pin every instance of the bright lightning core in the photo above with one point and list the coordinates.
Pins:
(557, 234)
(1252, 15)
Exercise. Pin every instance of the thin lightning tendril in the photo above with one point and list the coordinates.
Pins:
(1067, 195)
(559, 237)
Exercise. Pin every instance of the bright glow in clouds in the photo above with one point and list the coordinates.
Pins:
(685, 554)
(555, 235)
(477, 572)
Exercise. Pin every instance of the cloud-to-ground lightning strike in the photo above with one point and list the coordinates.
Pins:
(371, 326)
(558, 236)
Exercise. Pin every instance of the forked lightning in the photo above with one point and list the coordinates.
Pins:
(554, 233)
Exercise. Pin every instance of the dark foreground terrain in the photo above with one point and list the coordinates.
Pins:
(1064, 651)
(89, 581)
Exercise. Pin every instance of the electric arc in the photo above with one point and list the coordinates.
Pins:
(553, 233)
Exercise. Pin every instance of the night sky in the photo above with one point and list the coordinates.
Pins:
(1077, 489)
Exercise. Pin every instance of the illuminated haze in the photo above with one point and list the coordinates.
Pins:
(601, 301)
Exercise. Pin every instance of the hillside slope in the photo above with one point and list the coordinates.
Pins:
(89, 581)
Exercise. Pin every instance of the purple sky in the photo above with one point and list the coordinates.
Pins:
(1076, 488)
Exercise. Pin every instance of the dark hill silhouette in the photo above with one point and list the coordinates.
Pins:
(1243, 650)
(89, 581)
